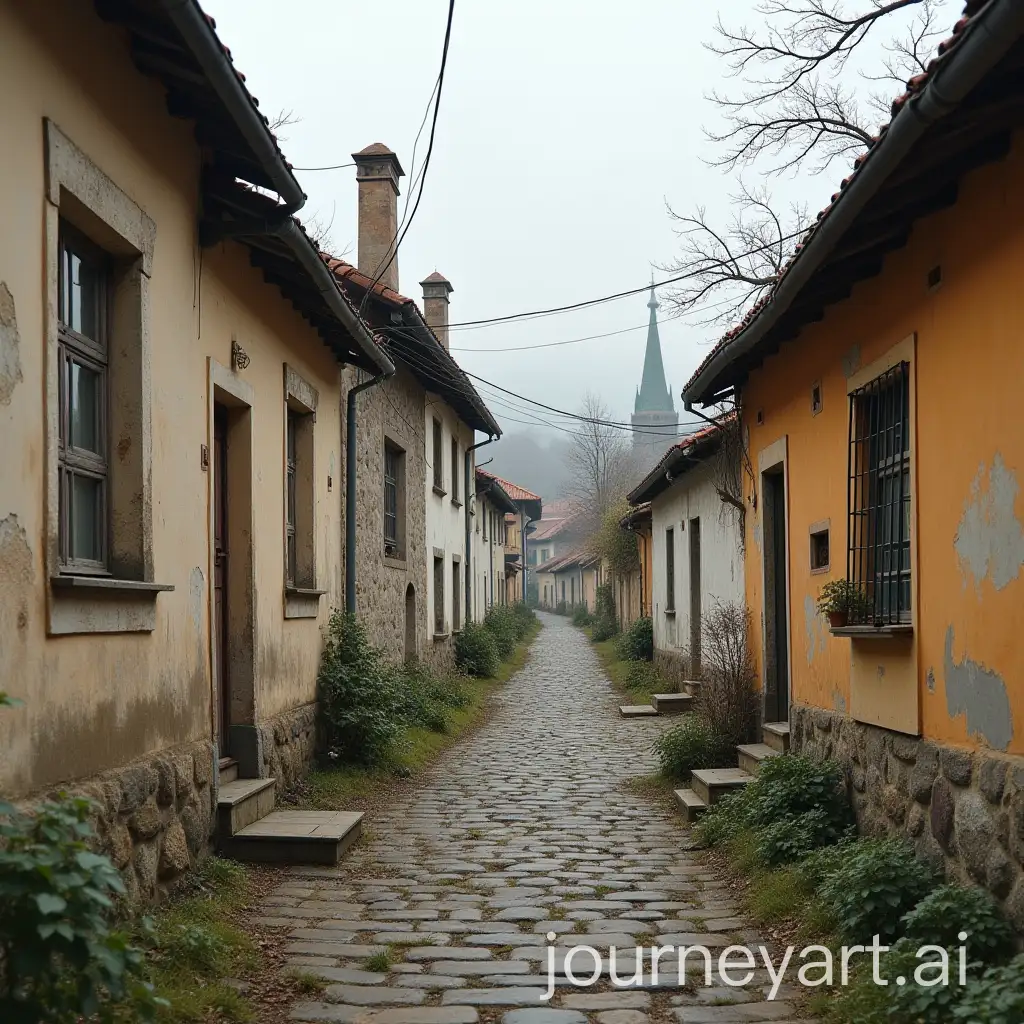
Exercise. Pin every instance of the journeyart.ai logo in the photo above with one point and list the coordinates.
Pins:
(735, 966)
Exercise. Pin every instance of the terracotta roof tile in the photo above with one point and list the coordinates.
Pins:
(514, 491)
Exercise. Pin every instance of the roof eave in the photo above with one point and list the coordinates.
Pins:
(987, 38)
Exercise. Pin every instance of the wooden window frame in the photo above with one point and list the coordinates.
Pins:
(439, 585)
(438, 466)
(392, 472)
(670, 571)
(455, 469)
(92, 354)
(456, 594)
(291, 497)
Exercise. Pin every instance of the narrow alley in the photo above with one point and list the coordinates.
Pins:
(527, 827)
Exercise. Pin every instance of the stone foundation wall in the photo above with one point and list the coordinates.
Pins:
(155, 817)
(288, 745)
(440, 655)
(962, 810)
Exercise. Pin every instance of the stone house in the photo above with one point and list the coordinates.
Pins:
(513, 559)
(571, 580)
(696, 549)
(171, 503)
(492, 506)
(877, 384)
(413, 444)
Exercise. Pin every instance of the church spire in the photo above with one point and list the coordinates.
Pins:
(654, 394)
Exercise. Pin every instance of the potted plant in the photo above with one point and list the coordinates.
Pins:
(839, 600)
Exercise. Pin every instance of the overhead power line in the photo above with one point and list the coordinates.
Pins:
(426, 159)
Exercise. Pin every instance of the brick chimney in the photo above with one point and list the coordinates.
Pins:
(377, 173)
(436, 290)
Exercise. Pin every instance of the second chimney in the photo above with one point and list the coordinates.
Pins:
(436, 290)
(377, 173)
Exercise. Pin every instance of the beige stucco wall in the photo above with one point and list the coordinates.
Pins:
(97, 701)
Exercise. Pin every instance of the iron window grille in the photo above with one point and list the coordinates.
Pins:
(291, 565)
(878, 556)
(438, 456)
(83, 281)
(390, 501)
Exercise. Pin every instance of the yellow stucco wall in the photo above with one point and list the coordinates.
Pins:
(962, 674)
(96, 701)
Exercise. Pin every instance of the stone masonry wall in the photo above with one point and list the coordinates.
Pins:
(289, 746)
(155, 817)
(962, 810)
(394, 409)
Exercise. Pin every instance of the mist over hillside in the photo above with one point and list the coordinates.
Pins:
(532, 459)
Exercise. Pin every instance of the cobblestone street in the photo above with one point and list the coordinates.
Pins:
(527, 827)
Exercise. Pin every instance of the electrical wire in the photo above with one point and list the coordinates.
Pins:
(426, 159)
(332, 167)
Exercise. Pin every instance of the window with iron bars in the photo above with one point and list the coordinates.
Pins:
(878, 555)
(391, 457)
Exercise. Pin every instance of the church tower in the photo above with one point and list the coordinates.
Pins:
(654, 412)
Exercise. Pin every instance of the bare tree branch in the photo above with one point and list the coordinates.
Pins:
(282, 119)
(734, 265)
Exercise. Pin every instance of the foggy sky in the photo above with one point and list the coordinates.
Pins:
(565, 126)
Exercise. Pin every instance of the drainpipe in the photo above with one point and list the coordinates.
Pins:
(491, 561)
(350, 493)
(470, 489)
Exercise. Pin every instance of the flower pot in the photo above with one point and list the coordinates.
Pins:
(838, 619)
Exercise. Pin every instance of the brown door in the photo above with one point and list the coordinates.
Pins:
(220, 574)
(776, 698)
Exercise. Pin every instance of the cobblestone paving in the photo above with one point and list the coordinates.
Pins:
(526, 828)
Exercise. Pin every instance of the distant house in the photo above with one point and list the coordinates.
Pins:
(556, 533)
(697, 554)
(528, 509)
(492, 506)
(633, 590)
(571, 580)
(879, 388)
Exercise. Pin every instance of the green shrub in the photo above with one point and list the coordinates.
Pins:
(561, 608)
(943, 914)
(642, 677)
(816, 867)
(864, 1002)
(504, 627)
(476, 652)
(605, 626)
(878, 881)
(690, 745)
(792, 807)
(59, 957)
(526, 617)
(995, 998)
(581, 616)
(360, 699)
(637, 642)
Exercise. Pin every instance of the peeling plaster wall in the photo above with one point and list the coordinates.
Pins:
(963, 670)
(93, 702)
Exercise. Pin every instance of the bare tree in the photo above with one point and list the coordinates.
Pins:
(792, 103)
(282, 119)
(599, 463)
(729, 267)
(800, 106)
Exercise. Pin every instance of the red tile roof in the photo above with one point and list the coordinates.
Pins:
(514, 491)
(914, 86)
(687, 446)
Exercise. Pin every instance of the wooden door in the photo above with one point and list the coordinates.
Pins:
(220, 575)
(776, 605)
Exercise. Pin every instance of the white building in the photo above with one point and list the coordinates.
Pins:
(697, 549)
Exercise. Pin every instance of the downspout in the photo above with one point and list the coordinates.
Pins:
(350, 493)
(987, 38)
(470, 489)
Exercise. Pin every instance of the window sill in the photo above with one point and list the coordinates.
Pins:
(108, 583)
(395, 563)
(102, 604)
(441, 636)
(302, 602)
(439, 491)
(670, 612)
(456, 503)
(873, 632)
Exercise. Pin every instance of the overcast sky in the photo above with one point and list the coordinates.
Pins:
(565, 125)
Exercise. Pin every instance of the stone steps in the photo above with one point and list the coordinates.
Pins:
(672, 703)
(637, 710)
(711, 784)
(296, 837)
(776, 736)
(751, 755)
(690, 686)
(243, 802)
(691, 805)
(228, 770)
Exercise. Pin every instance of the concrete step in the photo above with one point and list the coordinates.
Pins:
(296, 837)
(752, 754)
(228, 770)
(242, 802)
(690, 804)
(711, 784)
(690, 686)
(636, 710)
(776, 736)
(672, 703)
